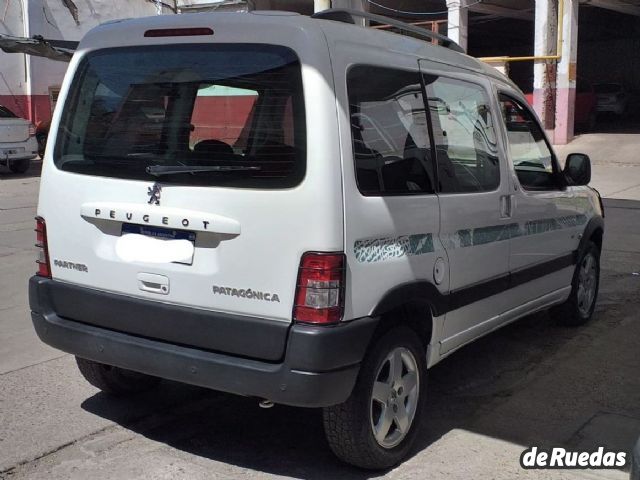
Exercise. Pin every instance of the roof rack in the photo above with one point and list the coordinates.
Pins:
(347, 15)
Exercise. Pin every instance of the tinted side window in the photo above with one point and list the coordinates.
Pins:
(465, 136)
(389, 132)
(531, 156)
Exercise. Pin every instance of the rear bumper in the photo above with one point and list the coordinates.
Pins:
(23, 150)
(319, 368)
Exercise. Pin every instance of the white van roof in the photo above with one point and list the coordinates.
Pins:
(131, 32)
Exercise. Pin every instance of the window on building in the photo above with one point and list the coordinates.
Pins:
(464, 136)
(389, 131)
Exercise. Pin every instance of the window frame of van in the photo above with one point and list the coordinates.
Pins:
(558, 177)
(299, 177)
(489, 94)
(419, 81)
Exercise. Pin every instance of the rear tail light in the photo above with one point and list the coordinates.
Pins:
(44, 267)
(320, 290)
(32, 130)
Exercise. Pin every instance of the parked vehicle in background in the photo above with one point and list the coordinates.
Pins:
(17, 141)
(586, 100)
(611, 97)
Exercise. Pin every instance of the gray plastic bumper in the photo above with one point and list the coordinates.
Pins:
(319, 367)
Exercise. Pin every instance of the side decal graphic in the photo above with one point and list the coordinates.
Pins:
(498, 233)
(484, 235)
(380, 249)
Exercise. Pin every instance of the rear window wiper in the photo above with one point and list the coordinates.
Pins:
(160, 170)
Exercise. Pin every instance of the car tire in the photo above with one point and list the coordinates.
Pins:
(19, 166)
(578, 309)
(113, 380)
(394, 367)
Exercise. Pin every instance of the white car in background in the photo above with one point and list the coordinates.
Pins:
(18, 143)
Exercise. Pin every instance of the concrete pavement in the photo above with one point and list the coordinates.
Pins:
(531, 383)
(615, 160)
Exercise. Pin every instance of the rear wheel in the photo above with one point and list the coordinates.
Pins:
(19, 166)
(113, 380)
(578, 309)
(375, 428)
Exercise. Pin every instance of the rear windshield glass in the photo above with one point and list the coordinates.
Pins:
(6, 113)
(230, 115)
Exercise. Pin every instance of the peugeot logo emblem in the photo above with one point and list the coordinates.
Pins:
(154, 194)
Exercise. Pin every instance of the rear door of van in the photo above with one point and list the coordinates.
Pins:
(191, 167)
(391, 209)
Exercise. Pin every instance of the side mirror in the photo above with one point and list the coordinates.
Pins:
(578, 169)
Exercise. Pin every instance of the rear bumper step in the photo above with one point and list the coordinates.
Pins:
(319, 369)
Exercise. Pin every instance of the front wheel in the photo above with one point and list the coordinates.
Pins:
(578, 309)
(375, 428)
(113, 380)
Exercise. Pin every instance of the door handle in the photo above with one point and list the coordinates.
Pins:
(506, 206)
(149, 282)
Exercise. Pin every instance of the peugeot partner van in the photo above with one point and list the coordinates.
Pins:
(300, 210)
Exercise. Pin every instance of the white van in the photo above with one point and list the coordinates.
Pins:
(301, 210)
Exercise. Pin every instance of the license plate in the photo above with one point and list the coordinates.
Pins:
(159, 232)
(8, 152)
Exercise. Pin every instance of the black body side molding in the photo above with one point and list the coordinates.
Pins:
(596, 223)
(421, 292)
(426, 293)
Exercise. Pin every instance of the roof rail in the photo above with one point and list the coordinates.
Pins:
(347, 15)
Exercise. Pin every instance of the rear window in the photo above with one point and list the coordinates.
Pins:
(233, 115)
(6, 113)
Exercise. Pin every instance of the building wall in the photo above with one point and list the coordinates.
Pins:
(28, 85)
(26, 82)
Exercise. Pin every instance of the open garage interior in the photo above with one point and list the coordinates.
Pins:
(597, 61)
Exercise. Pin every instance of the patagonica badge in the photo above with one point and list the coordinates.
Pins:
(246, 293)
